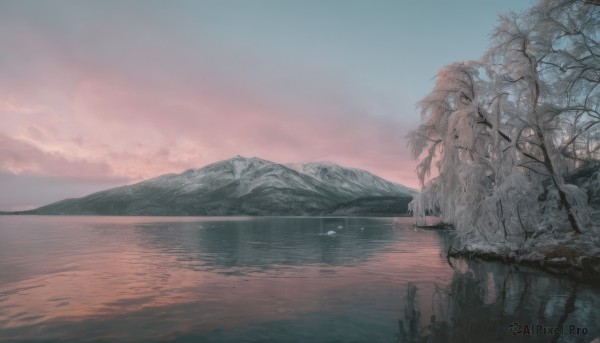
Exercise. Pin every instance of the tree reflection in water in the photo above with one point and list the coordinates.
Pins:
(483, 299)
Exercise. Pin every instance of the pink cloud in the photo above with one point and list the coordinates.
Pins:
(17, 157)
(140, 131)
(71, 115)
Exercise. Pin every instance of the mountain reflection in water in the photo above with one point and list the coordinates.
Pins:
(84, 279)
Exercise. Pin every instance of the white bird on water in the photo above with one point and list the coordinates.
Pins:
(340, 227)
(331, 233)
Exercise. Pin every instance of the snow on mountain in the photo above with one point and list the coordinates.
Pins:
(237, 186)
(352, 179)
(208, 178)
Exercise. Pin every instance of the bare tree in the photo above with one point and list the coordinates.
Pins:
(501, 130)
(549, 62)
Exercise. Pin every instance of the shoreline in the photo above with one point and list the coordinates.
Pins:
(583, 268)
(573, 256)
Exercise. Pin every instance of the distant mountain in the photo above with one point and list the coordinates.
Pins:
(240, 186)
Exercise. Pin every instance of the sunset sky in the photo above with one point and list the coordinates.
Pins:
(97, 94)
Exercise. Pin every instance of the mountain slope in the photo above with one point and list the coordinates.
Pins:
(250, 186)
(380, 206)
(350, 180)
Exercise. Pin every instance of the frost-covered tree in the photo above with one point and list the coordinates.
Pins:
(548, 60)
(504, 130)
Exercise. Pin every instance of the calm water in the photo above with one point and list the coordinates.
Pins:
(152, 279)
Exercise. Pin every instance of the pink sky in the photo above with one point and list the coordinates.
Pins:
(99, 94)
(116, 126)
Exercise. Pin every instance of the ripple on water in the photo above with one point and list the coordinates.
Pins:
(277, 279)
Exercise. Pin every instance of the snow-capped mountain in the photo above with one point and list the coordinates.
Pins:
(350, 180)
(240, 185)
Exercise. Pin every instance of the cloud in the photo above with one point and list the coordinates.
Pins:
(76, 103)
(17, 157)
(138, 131)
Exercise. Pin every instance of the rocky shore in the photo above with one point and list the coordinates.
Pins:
(563, 253)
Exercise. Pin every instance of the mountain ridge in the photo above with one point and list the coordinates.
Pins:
(237, 186)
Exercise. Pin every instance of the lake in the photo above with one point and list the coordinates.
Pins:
(244, 279)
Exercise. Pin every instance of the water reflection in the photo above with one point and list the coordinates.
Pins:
(81, 279)
(259, 244)
(485, 299)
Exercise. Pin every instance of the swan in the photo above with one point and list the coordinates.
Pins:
(331, 233)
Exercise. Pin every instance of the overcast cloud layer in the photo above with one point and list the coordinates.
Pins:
(96, 94)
